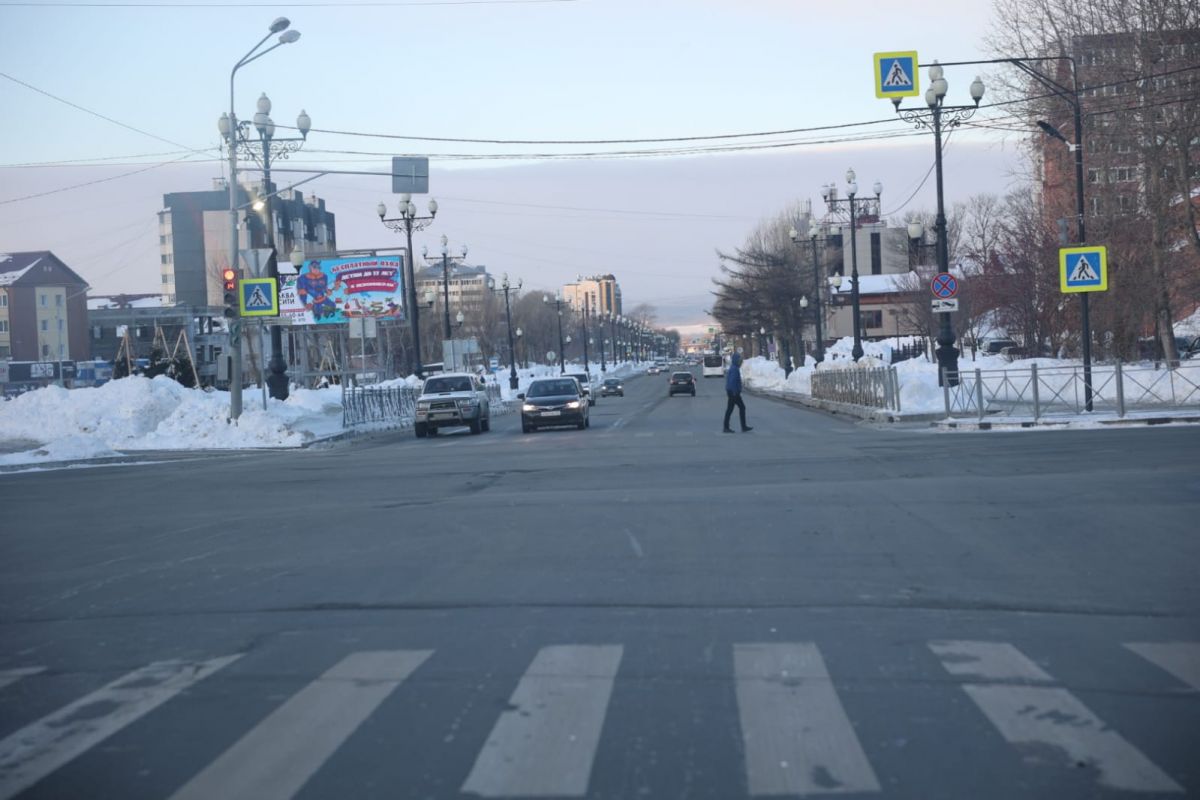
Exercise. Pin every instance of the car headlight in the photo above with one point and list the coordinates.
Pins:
(573, 404)
(422, 406)
(528, 407)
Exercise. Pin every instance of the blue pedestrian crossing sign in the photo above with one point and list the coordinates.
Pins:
(258, 297)
(896, 74)
(1083, 269)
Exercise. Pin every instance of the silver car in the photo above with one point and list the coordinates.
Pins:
(450, 400)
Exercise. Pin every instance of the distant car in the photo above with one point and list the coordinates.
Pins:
(653, 369)
(612, 386)
(714, 366)
(553, 402)
(681, 383)
(994, 347)
(585, 383)
(449, 400)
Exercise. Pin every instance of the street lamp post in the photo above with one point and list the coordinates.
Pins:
(612, 324)
(229, 128)
(525, 354)
(558, 304)
(579, 282)
(600, 325)
(939, 116)
(446, 259)
(803, 309)
(814, 233)
(506, 288)
(852, 202)
(408, 221)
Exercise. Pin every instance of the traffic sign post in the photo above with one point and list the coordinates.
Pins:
(1083, 269)
(896, 75)
(944, 286)
(258, 297)
(941, 306)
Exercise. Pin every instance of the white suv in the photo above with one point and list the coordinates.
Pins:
(451, 399)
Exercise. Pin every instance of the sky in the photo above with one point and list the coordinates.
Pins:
(98, 90)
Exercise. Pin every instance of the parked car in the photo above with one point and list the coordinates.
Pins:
(994, 347)
(612, 386)
(452, 399)
(585, 383)
(681, 383)
(553, 402)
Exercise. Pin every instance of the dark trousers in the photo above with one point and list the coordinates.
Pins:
(735, 400)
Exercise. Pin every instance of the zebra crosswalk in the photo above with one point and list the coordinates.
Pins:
(797, 737)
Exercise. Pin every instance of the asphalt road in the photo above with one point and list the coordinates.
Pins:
(648, 608)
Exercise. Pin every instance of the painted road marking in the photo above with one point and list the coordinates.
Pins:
(278, 756)
(38, 749)
(1046, 716)
(993, 661)
(10, 676)
(1181, 659)
(797, 737)
(545, 745)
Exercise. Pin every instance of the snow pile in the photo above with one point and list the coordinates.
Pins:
(1189, 326)
(159, 414)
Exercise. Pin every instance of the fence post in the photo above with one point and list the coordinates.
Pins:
(979, 392)
(896, 388)
(946, 392)
(1120, 375)
(343, 386)
(1037, 406)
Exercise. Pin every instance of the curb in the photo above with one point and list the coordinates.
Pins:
(1014, 425)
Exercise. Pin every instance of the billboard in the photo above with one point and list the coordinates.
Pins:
(334, 290)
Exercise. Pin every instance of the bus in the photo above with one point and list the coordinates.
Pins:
(714, 366)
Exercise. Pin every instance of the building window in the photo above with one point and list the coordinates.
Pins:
(42, 299)
(45, 324)
(58, 300)
(60, 324)
(166, 279)
(3, 299)
(5, 353)
(3, 326)
(876, 254)
(163, 258)
(1093, 176)
(870, 319)
(45, 351)
(1128, 203)
(1095, 206)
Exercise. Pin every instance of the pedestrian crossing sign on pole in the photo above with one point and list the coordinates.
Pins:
(896, 75)
(259, 297)
(1083, 269)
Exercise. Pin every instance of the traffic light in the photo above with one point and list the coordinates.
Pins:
(229, 276)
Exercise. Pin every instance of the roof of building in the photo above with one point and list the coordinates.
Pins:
(112, 301)
(434, 271)
(15, 266)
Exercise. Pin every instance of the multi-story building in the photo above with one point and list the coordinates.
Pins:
(468, 285)
(43, 309)
(603, 294)
(193, 236)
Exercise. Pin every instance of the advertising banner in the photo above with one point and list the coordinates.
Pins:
(334, 290)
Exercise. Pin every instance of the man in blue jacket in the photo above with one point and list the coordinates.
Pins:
(733, 390)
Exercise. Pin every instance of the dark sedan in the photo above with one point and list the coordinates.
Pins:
(681, 383)
(553, 402)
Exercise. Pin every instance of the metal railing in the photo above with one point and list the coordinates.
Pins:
(363, 405)
(1036, 393)
(877, 387)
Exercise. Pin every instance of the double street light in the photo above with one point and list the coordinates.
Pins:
(407, 222)
(230, 130)
(937, 117)
(852, 202)
(558, 302)
(814, 233)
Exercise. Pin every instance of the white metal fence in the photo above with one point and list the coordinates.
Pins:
(1036, 393)
(876, 387)
(366, 405)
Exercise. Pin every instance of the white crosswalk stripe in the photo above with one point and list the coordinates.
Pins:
(544, 745)
(10, 676)
(797, 736)
(38, 749)
(1181, 659)
(278, 756)
(1044, 715)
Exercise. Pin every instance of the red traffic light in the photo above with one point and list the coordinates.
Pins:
(230, 278)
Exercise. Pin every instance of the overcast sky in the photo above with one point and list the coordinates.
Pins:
(572, 70)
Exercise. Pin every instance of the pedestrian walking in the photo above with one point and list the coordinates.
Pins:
(733, 390)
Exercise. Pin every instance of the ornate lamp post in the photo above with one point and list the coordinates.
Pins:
(936, 117)
(446, 259)
(407, 222)
(506, 288)
(558, 305)
(814, 233)
(231, 130)
(579, 282)
(853, 204)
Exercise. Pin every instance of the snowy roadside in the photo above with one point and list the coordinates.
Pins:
(136, 414)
